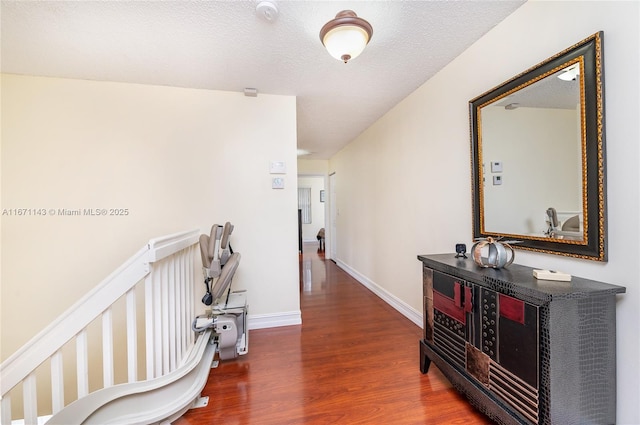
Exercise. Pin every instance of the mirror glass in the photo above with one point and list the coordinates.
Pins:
(538, 156)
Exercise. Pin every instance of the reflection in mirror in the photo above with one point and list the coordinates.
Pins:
(539, 121)
(538, 152)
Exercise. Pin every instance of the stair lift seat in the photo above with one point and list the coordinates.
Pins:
(228, 316)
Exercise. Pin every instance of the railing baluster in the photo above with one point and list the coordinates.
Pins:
(82, 365)
(191, 310)
(149, 316)
(57, 382)
(30, 399)
(190, 289)
(107, 348)
(171, 301)
(186, 299)
(132, 337)
(164, 284)
(177, 307)
(181, 323)
(5, 409)
(157, 319)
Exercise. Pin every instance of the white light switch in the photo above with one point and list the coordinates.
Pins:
(496, 167)
(277, 183)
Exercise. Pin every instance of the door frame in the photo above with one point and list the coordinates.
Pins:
(327, 222)
(332, 217)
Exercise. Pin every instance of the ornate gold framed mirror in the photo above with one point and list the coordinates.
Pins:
(538, 156)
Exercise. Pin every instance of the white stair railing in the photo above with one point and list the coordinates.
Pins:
(163, 273)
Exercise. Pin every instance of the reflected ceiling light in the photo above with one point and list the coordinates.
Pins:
(346, 36)
(511, 106)
(570, 73)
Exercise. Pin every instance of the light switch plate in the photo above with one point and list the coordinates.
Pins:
(277, 183)
(278, 167)
(497, 180)
(496, 167)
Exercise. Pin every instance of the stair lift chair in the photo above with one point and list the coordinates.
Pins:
(228, 316)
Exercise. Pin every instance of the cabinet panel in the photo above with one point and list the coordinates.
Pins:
(449, 317)
(492, 336)
(518, 346)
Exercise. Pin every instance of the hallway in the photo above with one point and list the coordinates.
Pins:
(354, 360)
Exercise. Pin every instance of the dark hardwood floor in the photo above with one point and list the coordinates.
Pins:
(354, 360)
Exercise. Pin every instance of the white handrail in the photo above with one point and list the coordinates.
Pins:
(70, 323)
(174, 252)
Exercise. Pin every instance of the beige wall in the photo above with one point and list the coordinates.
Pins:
(177, 159)
(316, 167)
(405, 186)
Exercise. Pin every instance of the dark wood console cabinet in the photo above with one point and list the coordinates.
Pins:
(523, 351)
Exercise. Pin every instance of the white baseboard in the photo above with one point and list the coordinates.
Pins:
(274, 320)
(405, 309)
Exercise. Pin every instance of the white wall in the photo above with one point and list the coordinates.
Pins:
(405, 186)
(177, 159)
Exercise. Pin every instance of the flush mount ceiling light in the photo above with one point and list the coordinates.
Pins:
(346, 36)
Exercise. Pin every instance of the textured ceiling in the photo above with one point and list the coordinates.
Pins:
(226, 45)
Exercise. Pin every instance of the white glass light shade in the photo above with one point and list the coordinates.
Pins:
(346, 42)
(346, 36)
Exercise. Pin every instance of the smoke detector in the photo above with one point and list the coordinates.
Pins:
(267, 10)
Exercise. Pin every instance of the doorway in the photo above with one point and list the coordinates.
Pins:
(312, 199)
